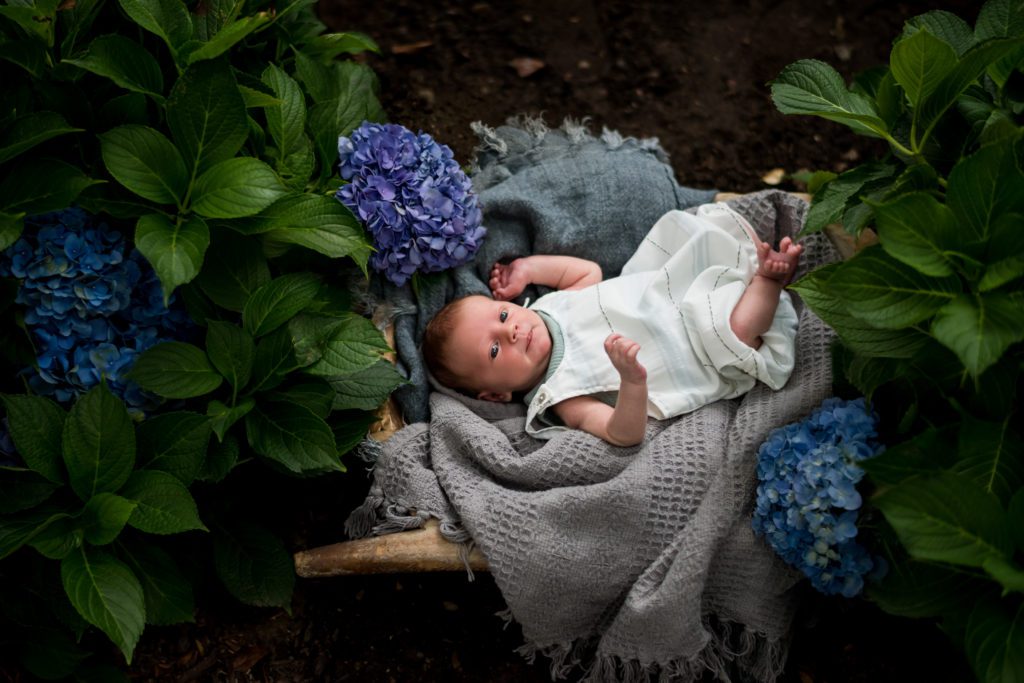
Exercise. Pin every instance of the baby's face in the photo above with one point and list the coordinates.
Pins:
(500, 347)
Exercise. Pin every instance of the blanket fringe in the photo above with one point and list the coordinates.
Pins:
(361, 521)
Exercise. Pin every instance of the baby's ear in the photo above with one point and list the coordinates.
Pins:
(496, 396)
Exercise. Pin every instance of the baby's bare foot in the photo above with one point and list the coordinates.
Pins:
(779, 265)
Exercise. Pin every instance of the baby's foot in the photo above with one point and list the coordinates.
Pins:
(622, 352)
(779, 265)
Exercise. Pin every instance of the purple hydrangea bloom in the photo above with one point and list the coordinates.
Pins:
(807, 500)
(412, 197)
(90, 307)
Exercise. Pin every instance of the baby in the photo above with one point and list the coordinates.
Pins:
(698, 314)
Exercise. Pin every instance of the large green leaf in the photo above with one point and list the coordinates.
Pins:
(353, 345)
(167, 591)
(992, 455)
(919, 231)
(231, 351)
(366, 389)
(930, 451)
(293, 436)
(222, 416)
(164, 504)
(946, 26)
(206, 115)
(274, 359)
(353, 101)
(228, 36)
(28, 131)
(276, 302)
(175, 370)
(174, 443)
(145, 162)
(312, 393)
(104, 516)
(1009, 574)
(1005, 253)
(813, 87)
(1001, 19)
(995, 641)
(125, 62)
(174, 249)
(330, 45)
(887, 294)
(947, 518)
(980, 327)
(922, 589)
(98, 443)
(235, 269)
(832, 200)
(168, 19)
(319, 223)
(983, 187)
(36, 424)
(60, 539)
(236, 188)
(287, 125)
(223, 455)
(42, 185)
(216, 15)
(919, 63)
(253, 564)
(36, 18)
(18, 529)
(107, 595)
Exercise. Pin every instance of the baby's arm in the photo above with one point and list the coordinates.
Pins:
(755, 310)
(624, 424)
(560, 272)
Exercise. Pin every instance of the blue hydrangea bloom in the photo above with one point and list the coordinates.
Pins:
(412, 197)
(90, 307)
(807, 499)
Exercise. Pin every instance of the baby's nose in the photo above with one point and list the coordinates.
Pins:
(513, 331)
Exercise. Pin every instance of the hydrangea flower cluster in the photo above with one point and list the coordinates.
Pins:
(412, 197)
(90, 308)
(807, 499)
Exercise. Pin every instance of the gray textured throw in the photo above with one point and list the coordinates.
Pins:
(629, 563)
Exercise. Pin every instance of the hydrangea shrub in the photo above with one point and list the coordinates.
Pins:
(414, 200)
(807, 498)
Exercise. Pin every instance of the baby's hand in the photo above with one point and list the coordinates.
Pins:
(508, 281)
(622, 353)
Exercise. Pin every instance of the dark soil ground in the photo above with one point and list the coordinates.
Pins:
(691, 74)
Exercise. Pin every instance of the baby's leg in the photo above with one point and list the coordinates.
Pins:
(755, 310)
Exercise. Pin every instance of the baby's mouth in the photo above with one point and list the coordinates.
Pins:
(529, 338)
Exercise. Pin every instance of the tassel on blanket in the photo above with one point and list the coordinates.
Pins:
(361, 521)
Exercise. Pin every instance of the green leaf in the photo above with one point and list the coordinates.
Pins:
(125, 62)
(930, 451)
(1015, 519)
(273, 360)
(995, 641)
(98, 443)
(1005, 253)
(328, 46)
(980, 327)
(168, 19)
(314, 394)
(28, 131)
(223, 455)
(235, 268)
(831, 201)
(947, 518)
(21, 489)
(813, 87)
(276, 302)
(76, 22)
(145, 162)
(11, 227)
(919, 63)
(946, 26)
(60, 539)
(231, 350)
(175, 370)
(991, 455)
(254, 565)
(352, 101)
(174, 443)
(164, 504)
(293, 436)
(367, 388)
(257, 99)
(37, 18)
(921, 589)
(983, 187)
(287, 125)
(36, 424)
(1009, 575)
(104, 516)
(175, 250)
(236, 188)
(206, 115)
(350, 428)
(17, 530)
(216, 15)
(919, 231)
(319, 223)
(999, 19)
(222, 417)
(168, 594)
(227, 37)
(42, 185)
(353, 345)
(867, 374)
(887, 294)
(107, 595)
(29, 54)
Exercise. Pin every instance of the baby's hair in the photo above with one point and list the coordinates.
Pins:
(435, 345)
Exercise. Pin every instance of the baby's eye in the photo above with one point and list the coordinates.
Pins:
(494, 350)
(503, 316)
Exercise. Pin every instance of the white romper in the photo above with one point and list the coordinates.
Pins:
(674, 297)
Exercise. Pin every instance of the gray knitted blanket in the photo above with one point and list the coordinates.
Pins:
(628, 563)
